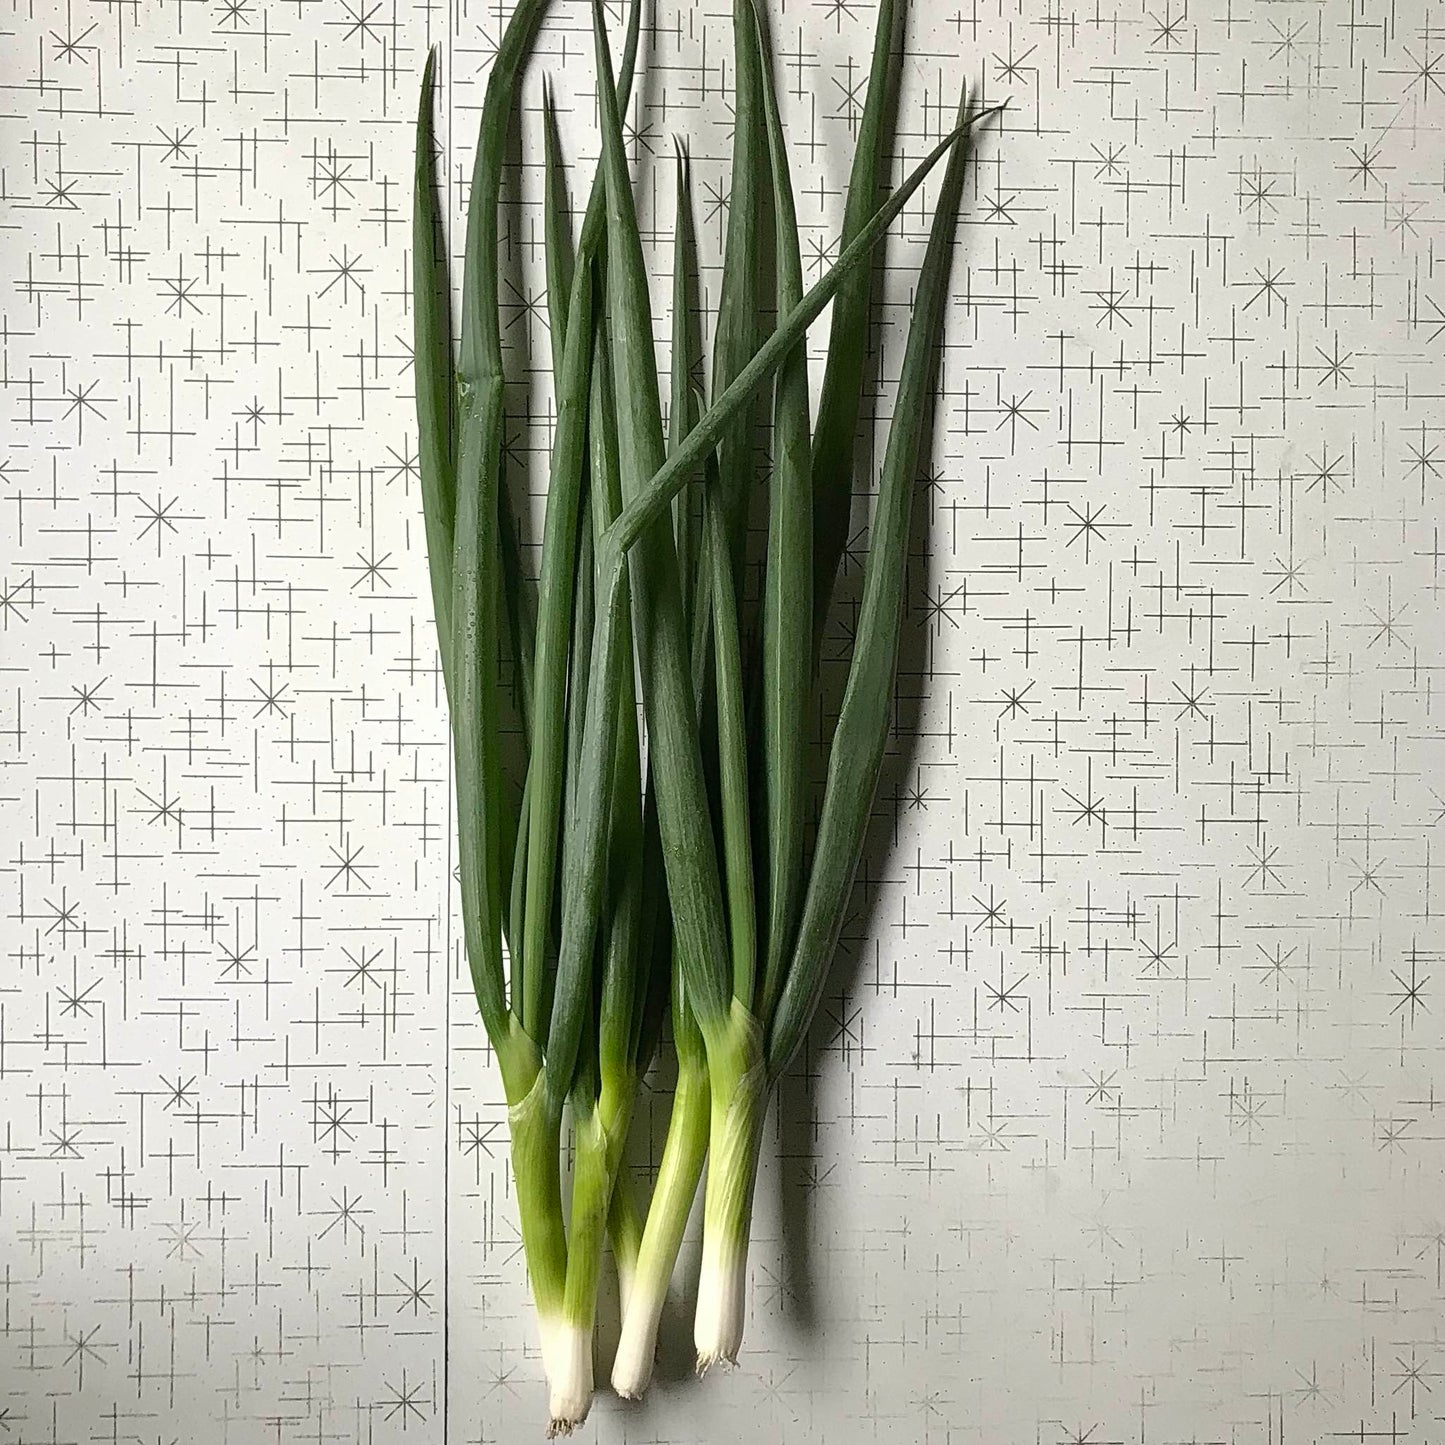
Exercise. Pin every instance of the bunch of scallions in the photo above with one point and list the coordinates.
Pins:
(613, 860)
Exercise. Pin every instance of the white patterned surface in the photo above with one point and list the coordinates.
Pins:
(1123, 1122)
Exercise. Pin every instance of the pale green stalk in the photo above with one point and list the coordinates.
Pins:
(672, 1196)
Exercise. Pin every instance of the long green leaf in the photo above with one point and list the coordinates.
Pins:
(739, 329)
(623, 989)
(662, 642)
(657, 938)
(732, 747)
(788, 581)
(584, 859)
(518, 874)
(683, 408)
(586, 875)
(682, 405)
(519, 596)
(432, 367)
(584, 871)
(583, 621)
(554, 616)
(862, 732)
(476, 547)
(572, 351)
(685, 405)
(556, 234)
(839, 404)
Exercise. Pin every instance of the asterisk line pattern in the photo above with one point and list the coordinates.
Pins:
(1123, 1115)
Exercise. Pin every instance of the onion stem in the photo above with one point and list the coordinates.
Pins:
(672, 1197)
(739, 1089)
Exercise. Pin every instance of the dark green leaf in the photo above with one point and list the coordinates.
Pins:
(662, 641)
(839, 404)
(477, 547)
(432, 357)
(788, 583)
(739, 327)
(862, 732)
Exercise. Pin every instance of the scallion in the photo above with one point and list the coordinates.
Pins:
(626, 867)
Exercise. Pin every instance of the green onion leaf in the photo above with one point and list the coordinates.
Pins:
(839, 404)
(788, 583)
(732, 746)
(739, 330)
(662, 642)
(863, 719)
(554, 618)
(477, 547)
(432, 360)
(556, 232)
(571, 313)
(623, 958)
(686, 360)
